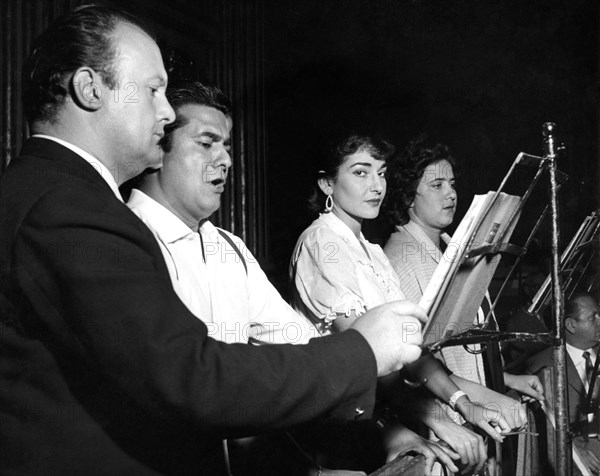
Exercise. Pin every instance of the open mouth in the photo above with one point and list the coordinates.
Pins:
(218, 181)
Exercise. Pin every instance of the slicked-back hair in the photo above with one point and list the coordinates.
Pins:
(80, 38)
(378, 148)
(184, 93)
(573, 306)
(404, 174)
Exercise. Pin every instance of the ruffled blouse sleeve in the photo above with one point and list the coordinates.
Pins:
(324, 276)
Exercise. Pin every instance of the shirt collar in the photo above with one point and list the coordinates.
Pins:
(339, 227)
(93, 161)
(420, 236)
(576, 354)
(209, 231)
(165, 224)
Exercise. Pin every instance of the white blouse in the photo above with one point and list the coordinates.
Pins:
(335, 273)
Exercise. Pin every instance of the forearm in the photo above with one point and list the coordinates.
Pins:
(473, 389)
(431, 413)
(430, 371)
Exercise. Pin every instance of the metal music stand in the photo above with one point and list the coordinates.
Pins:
(482, 334)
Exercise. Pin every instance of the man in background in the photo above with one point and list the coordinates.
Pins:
(582, 333)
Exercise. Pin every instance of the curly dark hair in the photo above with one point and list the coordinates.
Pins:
(379, 149)
(80, 38)
(406, 171)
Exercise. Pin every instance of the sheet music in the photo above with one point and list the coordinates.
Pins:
(458, 285)
(453, 253)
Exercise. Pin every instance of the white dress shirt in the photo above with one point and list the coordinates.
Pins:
(215, 287)
(93, 161)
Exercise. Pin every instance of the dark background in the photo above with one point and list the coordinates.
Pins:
(480, 76)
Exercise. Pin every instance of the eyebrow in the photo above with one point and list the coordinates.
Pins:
(453, 179)
(215, 137)
(367, 164)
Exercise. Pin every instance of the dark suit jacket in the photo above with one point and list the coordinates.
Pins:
(576, 390)
(103, 370)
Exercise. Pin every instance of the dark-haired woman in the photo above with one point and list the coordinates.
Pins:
(422, 203)
(338, 275)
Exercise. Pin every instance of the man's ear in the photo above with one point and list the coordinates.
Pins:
(570, 325)
(86, 88)
(325, 184)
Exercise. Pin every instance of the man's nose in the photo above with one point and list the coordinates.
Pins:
(224, 159)
(166, 113)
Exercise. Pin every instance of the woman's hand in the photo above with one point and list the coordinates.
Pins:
(399, 440)
(528, 385)
(482, 416)
(467, 444)
(513, 412)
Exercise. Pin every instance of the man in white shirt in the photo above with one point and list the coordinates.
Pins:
(212, 271)
(582, 333)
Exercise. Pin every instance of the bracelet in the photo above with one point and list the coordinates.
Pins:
(454, 398)
(387, 417)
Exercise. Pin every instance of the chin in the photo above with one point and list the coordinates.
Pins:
(371, 216)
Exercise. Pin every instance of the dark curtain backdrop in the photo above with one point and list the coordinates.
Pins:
(480, 76)
(216, 41)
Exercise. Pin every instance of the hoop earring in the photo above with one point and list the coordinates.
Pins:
(329, 203)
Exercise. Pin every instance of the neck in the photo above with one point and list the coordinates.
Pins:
(434, 234)
(354, 223)
(151, 186)
(581, 345)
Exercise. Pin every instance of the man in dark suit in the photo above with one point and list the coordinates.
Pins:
(582, 333)
(104, 371)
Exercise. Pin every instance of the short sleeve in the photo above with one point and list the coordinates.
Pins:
(323, 272)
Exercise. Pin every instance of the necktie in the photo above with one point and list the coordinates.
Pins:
(590, 424)
(589, 367)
